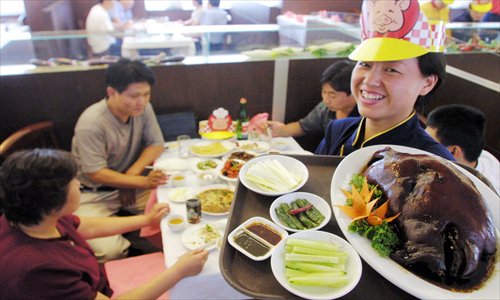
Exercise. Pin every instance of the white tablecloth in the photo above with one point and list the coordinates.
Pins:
(209, 284)
(178, 43)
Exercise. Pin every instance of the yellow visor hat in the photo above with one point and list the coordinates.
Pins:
(481, 6)
(397, 30)
(448, 2)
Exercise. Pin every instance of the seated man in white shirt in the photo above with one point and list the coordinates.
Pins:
(99, 23)
(461, 129)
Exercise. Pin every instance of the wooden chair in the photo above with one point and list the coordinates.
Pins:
(37, 135)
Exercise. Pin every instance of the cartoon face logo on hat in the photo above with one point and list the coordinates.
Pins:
(396, 30)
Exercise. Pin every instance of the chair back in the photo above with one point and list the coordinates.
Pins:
(175, 124)
(37, 135)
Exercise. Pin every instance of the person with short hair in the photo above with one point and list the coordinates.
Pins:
(114, 140)
(395, 74)
(337, 103)
(98, 26)
(460, 128)
(214, 15)
(44, 254)
(195, 15)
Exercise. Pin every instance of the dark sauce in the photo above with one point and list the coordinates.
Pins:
(265, 232)
(251, 245)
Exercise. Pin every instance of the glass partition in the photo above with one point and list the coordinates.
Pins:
(158, 40)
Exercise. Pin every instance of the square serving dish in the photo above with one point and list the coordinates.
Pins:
(257, 238)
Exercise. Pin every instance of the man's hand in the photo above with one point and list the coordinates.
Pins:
(156, 178)
(275, 126)
(158, 211)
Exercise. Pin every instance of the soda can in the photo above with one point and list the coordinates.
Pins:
(193, 209)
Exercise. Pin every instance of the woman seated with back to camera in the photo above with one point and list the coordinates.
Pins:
(44, 252)
(394, 75)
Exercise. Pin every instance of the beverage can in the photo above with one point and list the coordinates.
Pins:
(193, 210)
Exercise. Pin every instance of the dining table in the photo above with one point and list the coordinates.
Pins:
(209, 284)
(157, 34)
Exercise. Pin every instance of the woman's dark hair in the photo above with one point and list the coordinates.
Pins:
(34, 183)
(432, 63)
(125, 72)
(338, 75)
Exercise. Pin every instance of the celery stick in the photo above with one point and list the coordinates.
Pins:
(320, 281)
(319, 274)
(314, 267)
(311, 258)
(310, 267)
(312, 244)
(314, 251)
(292, 272)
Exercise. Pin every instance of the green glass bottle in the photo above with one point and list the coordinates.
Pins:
(243, 121)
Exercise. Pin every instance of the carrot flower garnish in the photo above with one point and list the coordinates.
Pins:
(362, 206)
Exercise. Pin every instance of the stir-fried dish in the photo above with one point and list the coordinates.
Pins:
(216, 200)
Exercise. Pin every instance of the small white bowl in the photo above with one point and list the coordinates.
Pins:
(206, 178)
(279, 143)
(176, 222)
(178, 180)
(318, 202)
(294, 166)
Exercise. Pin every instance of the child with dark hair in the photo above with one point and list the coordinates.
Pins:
(460, 128)
(44, 254)
(337, 103)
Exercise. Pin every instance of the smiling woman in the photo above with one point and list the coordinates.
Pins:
(394, 75)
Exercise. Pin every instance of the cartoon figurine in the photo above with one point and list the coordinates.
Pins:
(220, 120)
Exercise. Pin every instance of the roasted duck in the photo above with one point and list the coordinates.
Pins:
(446, 228)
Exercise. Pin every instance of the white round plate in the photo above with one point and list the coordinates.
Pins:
(194, 164)
(401, 277)
(212, 187)
(228, 146)
(172, 164)
(179, 195)
(315, 200)
(192, 237)
(238, 154)
(224, 177)
(293, 165)
(252, 146)
(353, 267)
